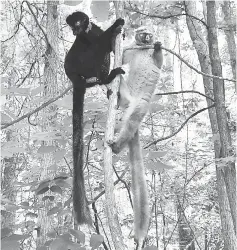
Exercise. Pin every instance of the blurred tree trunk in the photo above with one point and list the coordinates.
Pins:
(48, 115)
(226, 183)
(229, 29)
(186, 239)
(8, 176)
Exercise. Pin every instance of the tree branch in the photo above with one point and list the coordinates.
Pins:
(186, 91)
(167, 16)
(37, 22)
(180, 128)
(184, 61)
(37, 109)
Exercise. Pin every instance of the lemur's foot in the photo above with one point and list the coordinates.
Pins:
(114, 146)
(157, 46)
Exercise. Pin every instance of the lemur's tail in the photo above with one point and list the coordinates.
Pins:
(139, 189)
(81, 209)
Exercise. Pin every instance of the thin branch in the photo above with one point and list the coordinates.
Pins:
(115, 183)
(167, 16)
(37, 22)
(28, 74)
(18, 26)
(37, 109)
(180, 128)
(184, 61)
(125, 184)
(186, 91)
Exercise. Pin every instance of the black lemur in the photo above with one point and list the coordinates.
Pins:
(136, 91)
(86, 64)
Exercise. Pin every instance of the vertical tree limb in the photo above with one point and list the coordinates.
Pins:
(228, 167)
(110, 204)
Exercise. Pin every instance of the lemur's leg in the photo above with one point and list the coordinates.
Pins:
(139, 189)
(131, 120)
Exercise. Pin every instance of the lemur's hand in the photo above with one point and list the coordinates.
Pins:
(157, 46)
(119, 25)
(119, 21)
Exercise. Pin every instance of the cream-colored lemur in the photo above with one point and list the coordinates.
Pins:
(135, 96)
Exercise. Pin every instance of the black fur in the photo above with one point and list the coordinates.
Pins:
(88, 57)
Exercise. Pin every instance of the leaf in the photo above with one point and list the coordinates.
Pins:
(78, 234)
(5, 232)
(58, 244)
(67, 237)
(96, 240)
(68, 202)
(10, 245)
(94, 106)
(61, 176)
(99, 144)
(56, 189)
(47, 197)
(64, 212)
(32, 215)
(46, 136)
(158, 165)
(72, 2)
(42, 191)
(134, 16)
(17, 237)
(11, 207)
(25, 204)
(150, 248)
(47, 243)
(19, 91)
(100, 10)
(155, 107)
(5, 118)
(42, 248)
(46, 149)
(65, 102)
(58, 155)
(52, 234)
(156, 154)
(45, 183)
(62, 183)
(53, 210)
(37, 90)
(53, 167)
(75, 246)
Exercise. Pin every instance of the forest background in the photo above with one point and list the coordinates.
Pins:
(188, 136)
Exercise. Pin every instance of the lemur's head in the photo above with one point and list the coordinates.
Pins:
(79, 22)
(143, 36)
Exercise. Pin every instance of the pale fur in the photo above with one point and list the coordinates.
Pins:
(136, 89)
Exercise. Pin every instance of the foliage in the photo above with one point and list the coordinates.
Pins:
(179, 169)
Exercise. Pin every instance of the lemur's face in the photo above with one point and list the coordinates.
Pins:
(144, 38)
(78, 21)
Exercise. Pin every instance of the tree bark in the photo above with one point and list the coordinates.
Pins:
(199, 38)
(110, 204)
(186, 239)
(219, 91)
(50, 90)
(230, 36)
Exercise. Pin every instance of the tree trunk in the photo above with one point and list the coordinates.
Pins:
(50, 83)
(186, 239)
(199, 38)
(8, 188)
(230, 36)
(219, 91)
(110, 204)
